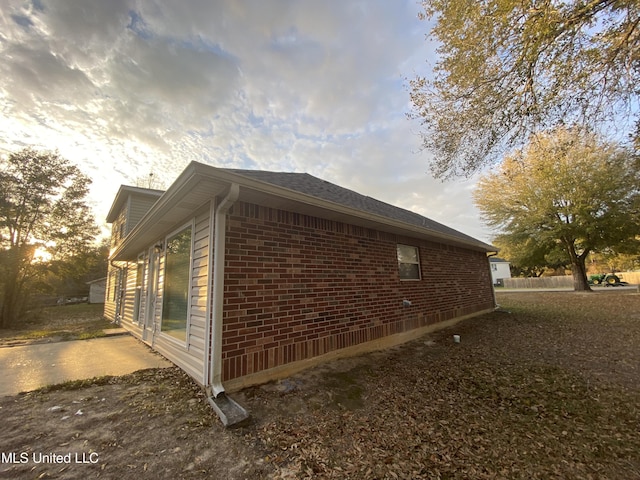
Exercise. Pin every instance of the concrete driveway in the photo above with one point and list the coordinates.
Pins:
(29, 367)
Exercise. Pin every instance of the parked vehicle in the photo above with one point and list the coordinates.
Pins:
(608, 279)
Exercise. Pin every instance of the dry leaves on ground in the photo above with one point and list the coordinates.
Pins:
(549, 390)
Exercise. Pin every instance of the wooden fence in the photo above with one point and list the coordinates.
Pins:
(539, 282)
(633, 278)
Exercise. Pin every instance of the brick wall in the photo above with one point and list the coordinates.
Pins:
(298, 287)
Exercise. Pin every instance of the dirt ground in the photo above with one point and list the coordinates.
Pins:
(547, 387)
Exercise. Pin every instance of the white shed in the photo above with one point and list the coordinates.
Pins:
(499, 270)
(97, 289)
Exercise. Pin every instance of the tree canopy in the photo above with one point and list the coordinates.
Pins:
(528, 256)
(567, 189)
(42, 210)
(508, 68)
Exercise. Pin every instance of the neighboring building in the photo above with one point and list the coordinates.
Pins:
(499, 270)
(97, 290)
(242, 276)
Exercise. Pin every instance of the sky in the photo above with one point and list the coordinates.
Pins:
(123, 88)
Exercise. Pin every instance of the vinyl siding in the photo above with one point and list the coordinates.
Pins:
(127, 320)
(138, 205)
(132, 211)
(109, 303)
(191, 357)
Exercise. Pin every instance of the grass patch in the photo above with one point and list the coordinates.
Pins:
(72, 322)
(68, 314)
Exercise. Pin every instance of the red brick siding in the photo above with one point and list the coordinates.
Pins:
(298, 287)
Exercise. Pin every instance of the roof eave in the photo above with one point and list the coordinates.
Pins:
(198, 177)
(137, 239)
(329, 206)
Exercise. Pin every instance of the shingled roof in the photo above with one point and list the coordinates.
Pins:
(199, 183)
(310, 185)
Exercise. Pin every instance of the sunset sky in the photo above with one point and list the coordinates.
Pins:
(123, 88)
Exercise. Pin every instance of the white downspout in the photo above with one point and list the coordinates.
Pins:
(219, 245)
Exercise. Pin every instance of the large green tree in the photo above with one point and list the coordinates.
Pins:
(508, 68)
(42, 211)
(68, 276)
(528, 257)
(566, 188)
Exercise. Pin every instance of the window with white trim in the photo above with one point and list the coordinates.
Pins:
(175, 298)
(408, 262)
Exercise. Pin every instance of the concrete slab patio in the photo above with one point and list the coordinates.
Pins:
(28, 367)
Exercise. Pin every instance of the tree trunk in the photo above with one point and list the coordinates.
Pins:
(578, 267)
(7, 312)
(12, 294)
(579, 270)
(580, 283)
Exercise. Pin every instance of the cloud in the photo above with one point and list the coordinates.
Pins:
(33, 74)
(167, 72)
(126, 87)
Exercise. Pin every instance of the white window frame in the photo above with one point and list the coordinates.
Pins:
(174, 233)
(416, 262)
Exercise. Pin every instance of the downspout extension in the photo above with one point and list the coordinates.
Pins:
(230, 412)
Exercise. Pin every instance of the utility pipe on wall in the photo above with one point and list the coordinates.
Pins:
(219, 244)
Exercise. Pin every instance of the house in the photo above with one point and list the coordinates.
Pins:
(499, 270)
(128, 208)
(97, 290)
(240, 276)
